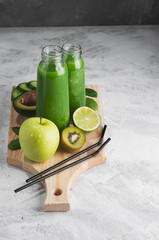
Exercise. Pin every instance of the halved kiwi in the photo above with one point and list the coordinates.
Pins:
(72, 138)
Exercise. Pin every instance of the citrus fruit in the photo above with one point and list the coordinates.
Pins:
(86, 119)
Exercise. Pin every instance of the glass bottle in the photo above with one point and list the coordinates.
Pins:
(52, 87)
(72, 55)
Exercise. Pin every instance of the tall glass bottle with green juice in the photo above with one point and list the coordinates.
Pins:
(72, 54)
(52, 87)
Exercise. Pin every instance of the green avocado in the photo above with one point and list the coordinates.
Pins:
(15, 93)
(25, 104)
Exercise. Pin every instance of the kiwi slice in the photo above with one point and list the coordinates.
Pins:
(72, 138)
(91, 103)
(90, 92)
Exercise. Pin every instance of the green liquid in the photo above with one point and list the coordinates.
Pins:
(53, 93)
(76, 82)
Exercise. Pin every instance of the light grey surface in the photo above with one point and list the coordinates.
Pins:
(115, 201)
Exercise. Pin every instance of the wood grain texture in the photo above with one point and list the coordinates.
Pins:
(57, 187)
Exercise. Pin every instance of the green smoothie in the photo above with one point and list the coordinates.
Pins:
(52, 90)
(72, 56)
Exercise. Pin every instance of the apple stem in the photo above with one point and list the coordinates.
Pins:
(41, 120)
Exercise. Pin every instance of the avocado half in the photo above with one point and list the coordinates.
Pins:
(25, 104)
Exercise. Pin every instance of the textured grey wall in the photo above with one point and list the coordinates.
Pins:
(19, 13)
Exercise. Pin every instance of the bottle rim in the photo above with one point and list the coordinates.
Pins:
(71, 48)
(51, 51)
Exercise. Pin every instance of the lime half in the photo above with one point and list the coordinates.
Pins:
(86, 119)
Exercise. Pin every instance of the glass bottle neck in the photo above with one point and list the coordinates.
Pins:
(51, 53)
(71, 50)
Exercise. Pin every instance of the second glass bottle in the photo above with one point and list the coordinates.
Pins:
(72, 55)
(52, 87)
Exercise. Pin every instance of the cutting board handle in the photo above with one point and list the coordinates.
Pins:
(56, 198)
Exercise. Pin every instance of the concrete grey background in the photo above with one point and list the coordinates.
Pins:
(118, 200)
(31, 13)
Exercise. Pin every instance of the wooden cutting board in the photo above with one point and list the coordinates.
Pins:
(57, 186)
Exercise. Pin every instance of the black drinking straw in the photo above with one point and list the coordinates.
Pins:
(63, 168)
(69, 158)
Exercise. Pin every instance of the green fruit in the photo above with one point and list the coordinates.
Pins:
(72, 138)
(25, 104)
(91, 103)
(90, 92)
(15, 93)
(39, 139)
(32, 85)
(23, 87)
(86, 119)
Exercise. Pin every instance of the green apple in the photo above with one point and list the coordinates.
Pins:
(39, 138)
